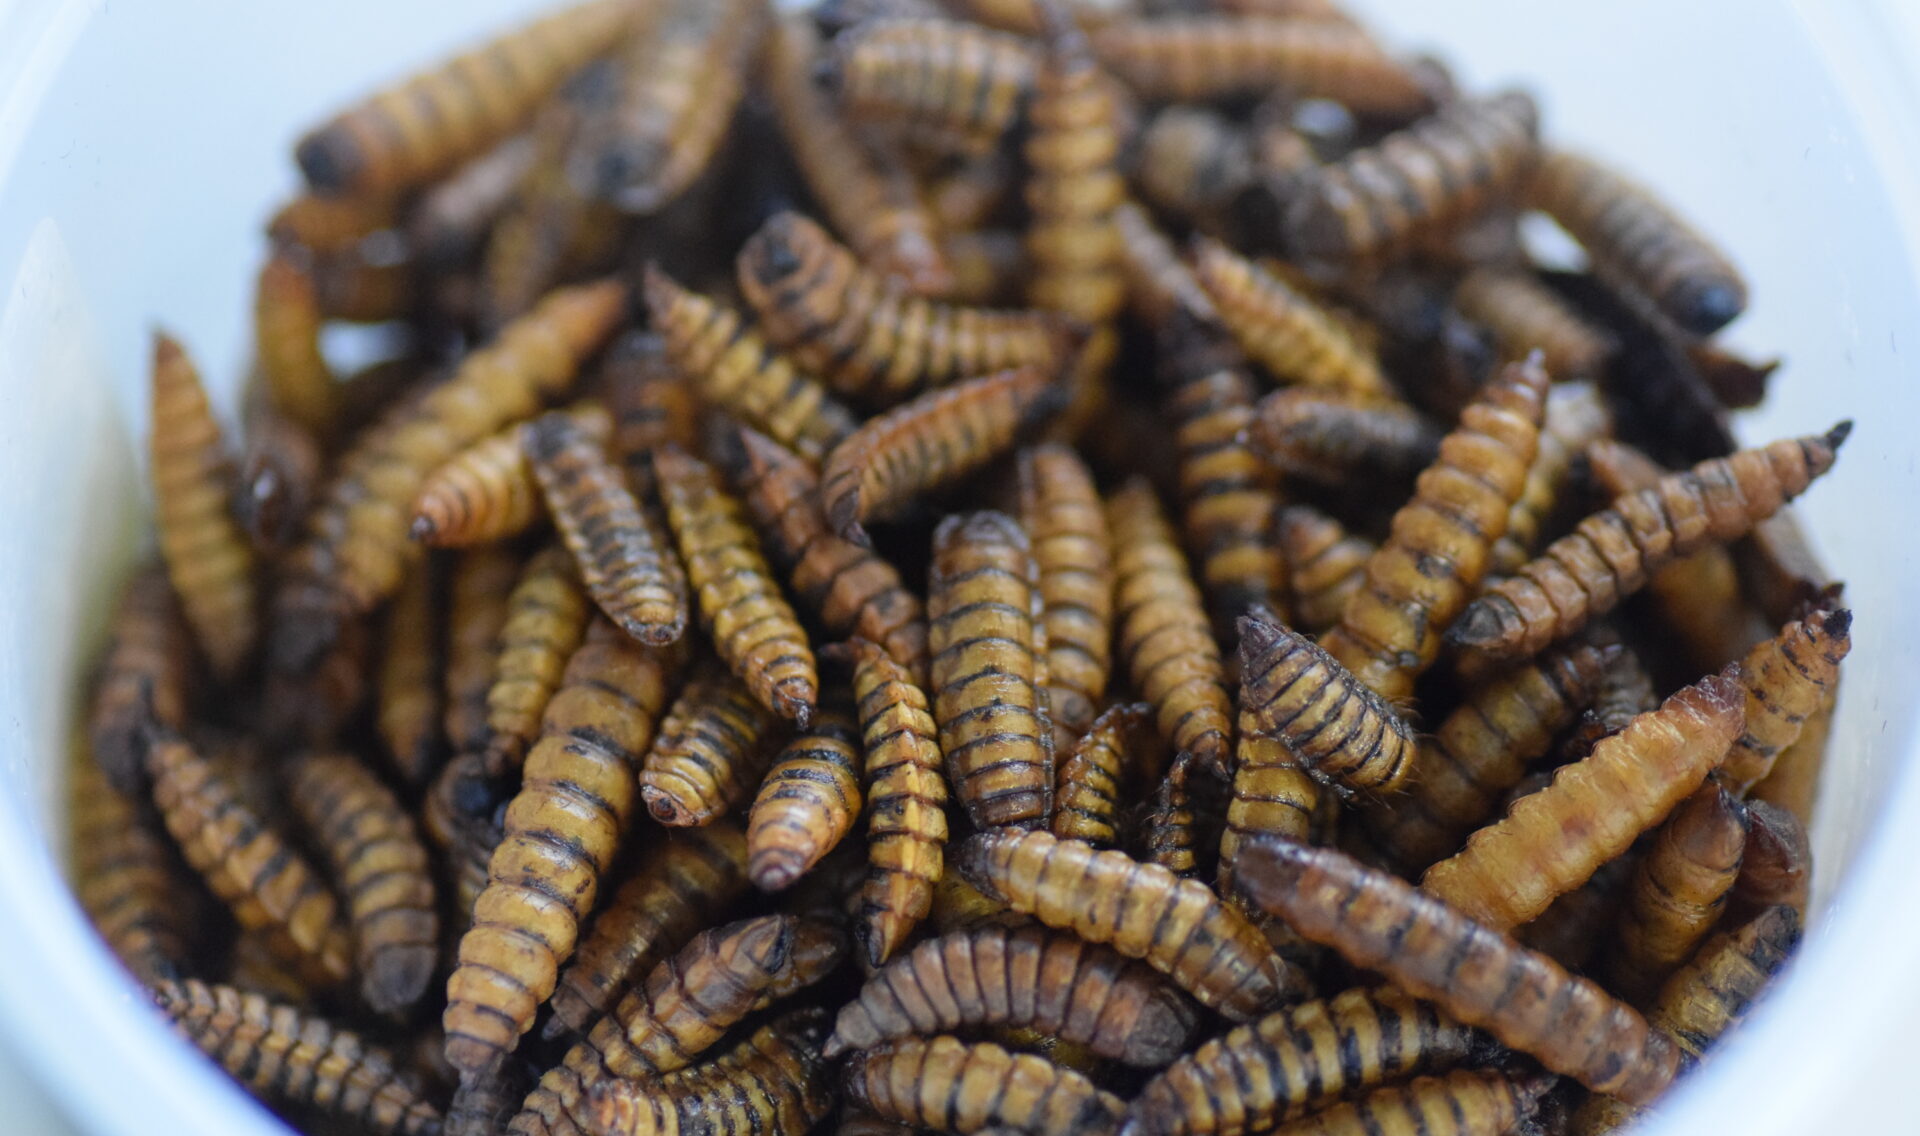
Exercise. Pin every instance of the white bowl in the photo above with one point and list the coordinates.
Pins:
(142, 144)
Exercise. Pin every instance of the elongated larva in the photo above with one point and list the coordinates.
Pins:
(476, 610)
(1787, 679)
(1295, 691)
(1776, 866)
(988, 667)
(1159, 283)
(1576, 417)
(1161, 629)
(1028, 17)
(1476, 974)
(865, 336)
(547, 616)
(623, 559)
(286, 332)
(1061, 511)
(1634, 238)
(1333, 436)
(425, 125)
(1091, 775)
(377, 858)
(562, 830)
(1044, 980)
(807, 802)
(1678, 892)
(269, 886)
(487, 491)
(144, 678)
(928, 442)
(771, 1084)
(1272, 795)
(677, 885)
(1325, 564)
(756, 634)
(1551, 841)
(941, 83)
(129, 880)
(1144, 911)
(1712, 993)
(1609, 554)
(284, 1055)
(1526, 316)
(1462, 1103)
(869, 197)
(710, 753)
(1282, 329)
(949, 1085)
(1191, 162)
(1205, 58)
(407, 685)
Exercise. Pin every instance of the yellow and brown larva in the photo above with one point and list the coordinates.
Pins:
(481, 580)
(1073, 185)
(1576, 417)
(1161, 630)
(929, 442)
(331, 223)
(867, 338)
(250, 866)
(1338, 726)
(946, 1084)
(1191, 162)
(1177, 926)
(1776, 865)
(870, 197)
(1173, 828)
(1678, 892)
(989, 670)
(732, 367)
(1159, 283)
(1257, 1075)
(381, 868)
(408, 697)
(807, 802)
(547, 616)
(651, 402)
(959, 906)
(448, 221)
(562, 830)
(145, 677)
(1787, 680)
(1029, 17)
(941, 83)
(1526, 316)
(1551, 841)
(129, 880)
(286, 335)
(1634, 238)
(1064, 518)
(208, 558)
(1207, 58)
(1272, 794)
(1325, 563)
(290, 1057)
(756, 634)
(277, 473)
(676, 886)
(1435, 555)
(1794, 783)
(1282, 329)
(710, 752)
(1610, 554)
(1714, 991)
(425, 125)
(1461, 1103)
(1044, 980)
(1431, 176)
(1091, 776)
(1334, 436)
(487, 491)
(1475, 974)
(623, 558)
(772, 1084)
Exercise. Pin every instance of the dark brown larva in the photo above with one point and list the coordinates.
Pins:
(1333, 436)
(1061, 511)
(1202, 58)
(949, 1085)
(1576, 417)
(652, 404)
(1776, 868)
(1191, 162)
(129, 880)
(1678, 892)
(476, 610)
(546, 618)
(144, 681)
(709, 753)
(277, 474)
(939, 82)
(773, 1083)
(1294, 690)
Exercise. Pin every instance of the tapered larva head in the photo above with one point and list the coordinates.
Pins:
(1163, 1028)
(778, 249)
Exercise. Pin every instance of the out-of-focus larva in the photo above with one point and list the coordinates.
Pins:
(1282, 329)
(929, 442)
(367, 286)
(1334, 436)
(381, 867)
(252, 968)
(208, 558)
(561, 832)
(870, 198)
(1028, 17)
(1177, 926)
(277, 474)
(988, 669)
(331, 223)
(460, 815)
(1161, 629)
(1436, 552)
(286, 332)
(547, 615)
(287, 1056)
(710, 753)
(1159, 283)
(1712, 993)
(1326, 564)
(268, 885)
(807, 803)
(651, 403)
(946, 1084)
(1259, 1074)
(851, 589)
(487, 491)
(451, 218)
(1335, 724)
(1777, 864)
(1192, 162)
(1576, 417)
(420, 128)
(1611, 553)
(622, 557)
(1551, 841)
(1043, 980)
(1526, 316)
(407, 686)
(1573, 929)
(128, 879)
(1787, 680)
(771, 1084)
(1207, 58)
(732, 367)
(941, 83)
(1632, 237)
(756, 634)
(1461, 1103)
(971, 193)
(1737, 382)
(677, 885)
(481, 581)
(1091, 775)
(1477, 975)
(1272, 795)
(1678, 891)
(1061, 511)
(989, 266)
(868, 339)
(144, 678)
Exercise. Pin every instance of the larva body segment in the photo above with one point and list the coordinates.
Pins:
(1061, 511)
(947, 1084)
(1787, 680)
(1575, 418)
(807, 802)
(330, 223)
(144, 677)
(1142, 910)
(1295, 691)
(482, 580)
(286, 333)
(1272, 795)
(129, 880)
(487, 491)
(409, 702)
(1794, 783)
(1526, 316)
(1326, 564)
(943, 83)
(547, 615)
(382, 870)
(1776, 866)
(652, 405)
(1159, 283)
(1462, 1103)
(710, 753)
(1333, 436)
(1477, 975)
(1088, 786)
(277, 475)
(773, 1084)
(1169, 832)
(1678, 892)
(1712, 993)
(1288, 333)
(1206, 58)
(450, 219)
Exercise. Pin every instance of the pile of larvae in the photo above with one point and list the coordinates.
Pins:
(1012, 566)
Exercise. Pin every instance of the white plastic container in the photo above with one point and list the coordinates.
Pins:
(142, 144)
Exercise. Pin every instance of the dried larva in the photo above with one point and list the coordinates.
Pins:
(1678, 891)
(1335, 724)
(1091, 775)
(331, 223)
(972, 192)
(947, 1084)
(989, 266)
(710, 753)
(144, 681)
(1061, 511)
(1776, 867)
(1787, 679)
(773, 1084)
(1794, 783)
(651, 402)
(407, 689)
(547, 615)
(1029, 17)
(450, 219)
(941, 83)
(1159, 283)
(482, 579)
(1713, 992)
(286, 332)
(1191, 162)
(487, 491)
(1572, 930)
(1272, 795)
(959, 906)
(276, 476)
(1462, 1103)
(129, 880)
(1334, 436)
(364, 287)
(807, 803)
(1576, 417)
(1326, 564)
(1526, 316)
(1170, 832)
(1073, 186)
(1206, 58)
(1282, 329)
